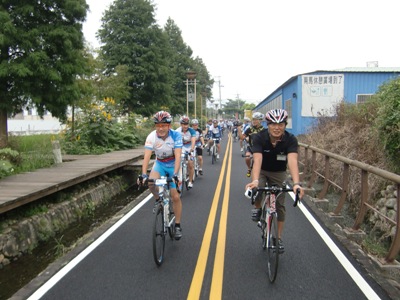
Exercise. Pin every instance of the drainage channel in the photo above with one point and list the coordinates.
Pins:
(20, 272)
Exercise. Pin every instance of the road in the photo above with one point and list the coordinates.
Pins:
(219, 255)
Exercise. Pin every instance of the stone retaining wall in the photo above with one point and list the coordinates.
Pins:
(19, 237)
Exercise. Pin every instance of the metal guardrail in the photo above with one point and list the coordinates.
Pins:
(310, 168)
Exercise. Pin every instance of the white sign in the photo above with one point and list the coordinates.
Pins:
(191, 97)
(321, 93)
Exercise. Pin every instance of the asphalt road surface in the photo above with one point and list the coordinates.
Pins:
(219, 256)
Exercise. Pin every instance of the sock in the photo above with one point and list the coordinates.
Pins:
(177, 224)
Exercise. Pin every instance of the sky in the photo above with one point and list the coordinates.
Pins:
(252, 47)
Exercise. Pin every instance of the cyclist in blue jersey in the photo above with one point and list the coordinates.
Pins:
(167, 147)
(216, 133)
(189, 143)
(199, 144)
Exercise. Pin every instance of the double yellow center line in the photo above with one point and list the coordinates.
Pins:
(218, 271)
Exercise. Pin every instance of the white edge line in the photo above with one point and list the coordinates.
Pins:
(64, 271)
(354, 274)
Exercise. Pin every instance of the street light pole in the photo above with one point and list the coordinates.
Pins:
(190, 75)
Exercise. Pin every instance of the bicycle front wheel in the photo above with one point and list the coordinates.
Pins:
(272, 247)
(159, 236)
(213, 155)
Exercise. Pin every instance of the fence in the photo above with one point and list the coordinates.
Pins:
(310, 170)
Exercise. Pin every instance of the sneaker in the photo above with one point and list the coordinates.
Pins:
(178, 233)
(280, 246)
(190, 185)
(256, 214)
(201, 171)
(241, 149)
(217, 156)
(248, 173)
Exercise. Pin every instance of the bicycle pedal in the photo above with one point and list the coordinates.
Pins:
(259, 224)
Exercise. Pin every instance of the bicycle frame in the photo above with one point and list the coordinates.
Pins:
(164, 218)
(269, 225)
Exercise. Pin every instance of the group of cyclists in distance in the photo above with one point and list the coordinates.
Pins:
(268, 149)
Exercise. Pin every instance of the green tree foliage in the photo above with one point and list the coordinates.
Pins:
(130, 37)
(41, 55)
(233, 106)
(180, 62)
(387, 120)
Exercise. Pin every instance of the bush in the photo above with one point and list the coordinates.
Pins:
(8, 159)
(98, 130)
(387, 122)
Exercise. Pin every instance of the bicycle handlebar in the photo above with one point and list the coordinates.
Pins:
(276, 190)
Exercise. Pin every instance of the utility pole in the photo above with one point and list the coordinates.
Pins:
(219, 89)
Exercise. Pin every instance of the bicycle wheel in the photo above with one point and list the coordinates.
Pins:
(158, 236)
(171, 228)
(213, 155)
(185, 177)
(272, 247)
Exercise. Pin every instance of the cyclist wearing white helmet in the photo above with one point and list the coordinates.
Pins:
(189, 141)
(274, 150)
(199, 144)
(246, 124)
(255, 127)
(167, 147)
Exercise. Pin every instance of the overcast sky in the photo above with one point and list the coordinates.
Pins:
(254, 46)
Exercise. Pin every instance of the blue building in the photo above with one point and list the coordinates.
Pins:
(310, 95)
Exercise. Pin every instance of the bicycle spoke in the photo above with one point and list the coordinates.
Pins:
(158, 237)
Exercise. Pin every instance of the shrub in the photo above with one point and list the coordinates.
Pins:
(98, 130)
(387, 122)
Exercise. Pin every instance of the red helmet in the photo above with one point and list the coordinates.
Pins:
(276, 116)
(162, 117)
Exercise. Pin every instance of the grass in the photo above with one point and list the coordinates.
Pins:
(35, 150)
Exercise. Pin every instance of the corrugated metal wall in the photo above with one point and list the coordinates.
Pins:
(290, 94)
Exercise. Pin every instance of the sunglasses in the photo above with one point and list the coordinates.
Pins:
(161, 125)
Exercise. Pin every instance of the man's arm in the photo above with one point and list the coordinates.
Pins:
(177, 166)
(146, 160)
(255, 173)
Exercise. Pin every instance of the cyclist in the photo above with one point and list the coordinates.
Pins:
(235, 126)
(246, 123)
(255, 127)
(207, 134)
(216, 133)
(274, 150)
(199, 144)
(189, 142)
(167, 147)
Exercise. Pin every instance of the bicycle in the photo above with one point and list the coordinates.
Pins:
(213, 150)
(185, 172)
(269, 223)
(196, 165)
(164, 218)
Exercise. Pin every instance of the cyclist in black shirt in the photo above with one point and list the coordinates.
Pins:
(274, 150)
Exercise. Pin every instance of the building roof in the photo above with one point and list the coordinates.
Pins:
(362, 69)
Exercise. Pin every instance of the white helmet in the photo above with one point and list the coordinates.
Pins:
(277, 116)
(258, 116)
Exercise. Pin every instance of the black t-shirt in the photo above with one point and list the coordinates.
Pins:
(274, 159)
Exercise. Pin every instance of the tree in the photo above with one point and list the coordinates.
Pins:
(181, 62)
(234, 106)
(40, 57)
(130, 36)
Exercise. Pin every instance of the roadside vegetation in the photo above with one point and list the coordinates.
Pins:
(369, 133)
